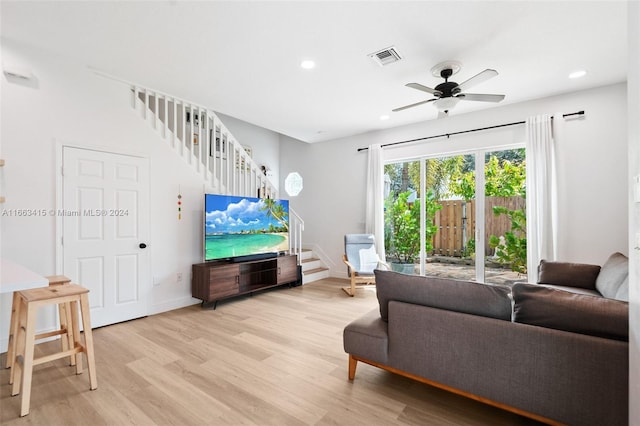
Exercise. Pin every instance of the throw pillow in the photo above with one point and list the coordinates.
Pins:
(492, 301)
(623, 291)
(577, 313)
(613, 273)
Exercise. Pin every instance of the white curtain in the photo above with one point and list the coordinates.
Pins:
(541, 193)
(374, 209)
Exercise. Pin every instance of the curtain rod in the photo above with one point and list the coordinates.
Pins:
(465, 131)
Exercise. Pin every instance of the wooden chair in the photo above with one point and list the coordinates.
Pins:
(27, 304)
(361, 259)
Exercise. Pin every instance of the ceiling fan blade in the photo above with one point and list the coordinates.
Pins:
(477, 79)
(480, 97)
(422, 88)
(412, 105)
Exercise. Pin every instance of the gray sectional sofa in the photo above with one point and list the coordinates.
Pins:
(556, 351)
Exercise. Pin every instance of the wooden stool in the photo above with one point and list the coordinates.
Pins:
(66, 341)
(28, 302)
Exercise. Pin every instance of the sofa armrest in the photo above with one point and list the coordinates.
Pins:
(568, 274)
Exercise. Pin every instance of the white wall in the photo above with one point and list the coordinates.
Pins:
(634, 212)
(592, 158)
(332, 199)
(68, 104)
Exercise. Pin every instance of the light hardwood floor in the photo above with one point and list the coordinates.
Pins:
(275, 358)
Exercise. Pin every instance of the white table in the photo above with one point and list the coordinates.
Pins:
(15, 277)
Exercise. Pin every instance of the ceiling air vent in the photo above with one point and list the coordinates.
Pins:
(386, 56)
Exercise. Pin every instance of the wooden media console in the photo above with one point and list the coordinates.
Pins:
(213, 281)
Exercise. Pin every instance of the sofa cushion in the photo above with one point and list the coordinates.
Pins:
(367, 337)
(578, 313)
(612, 275)
(460, 296)
(568, 274)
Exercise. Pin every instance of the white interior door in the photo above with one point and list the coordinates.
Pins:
(105, 231)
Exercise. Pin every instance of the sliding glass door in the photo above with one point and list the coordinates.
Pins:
(451, 184)
(505, 236)
(402, 238)
(458, 216)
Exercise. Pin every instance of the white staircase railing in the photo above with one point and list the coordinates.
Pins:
(296, 226)
(199, 137)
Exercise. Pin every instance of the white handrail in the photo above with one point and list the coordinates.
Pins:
(296, 226)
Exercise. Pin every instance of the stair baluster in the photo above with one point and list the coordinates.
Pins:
(146, 103)
(174, 122)
(165, 128)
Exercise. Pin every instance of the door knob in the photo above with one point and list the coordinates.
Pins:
(142, 245)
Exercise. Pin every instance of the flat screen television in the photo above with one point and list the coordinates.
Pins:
(236, 227)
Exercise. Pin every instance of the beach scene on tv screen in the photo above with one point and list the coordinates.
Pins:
(241, 226)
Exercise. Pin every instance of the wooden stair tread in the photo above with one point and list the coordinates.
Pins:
(313, 271)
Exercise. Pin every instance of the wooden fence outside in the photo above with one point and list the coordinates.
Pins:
(457, 225)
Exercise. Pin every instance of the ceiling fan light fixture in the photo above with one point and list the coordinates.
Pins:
(448, 94)
(444, 104)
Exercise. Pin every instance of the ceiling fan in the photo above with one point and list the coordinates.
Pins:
(448, 94)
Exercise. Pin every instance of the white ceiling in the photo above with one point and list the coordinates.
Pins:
(241, 58)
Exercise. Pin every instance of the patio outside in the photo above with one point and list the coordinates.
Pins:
(460, 269)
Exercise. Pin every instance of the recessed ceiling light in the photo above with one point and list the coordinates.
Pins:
(578, 74)
(307, 65)
(384, 117)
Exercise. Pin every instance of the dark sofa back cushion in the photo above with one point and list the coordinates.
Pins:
(460, 296)
(563, 310)
(568, 274)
